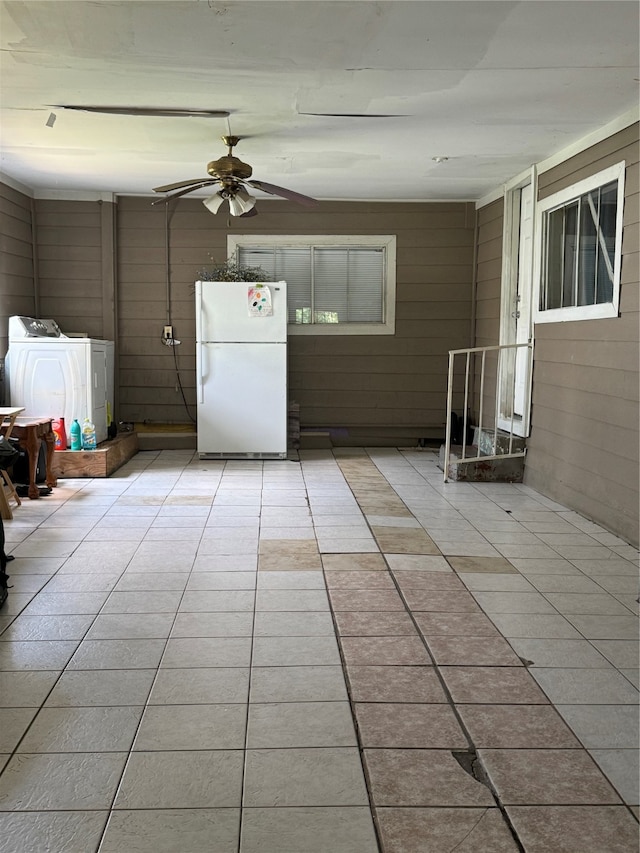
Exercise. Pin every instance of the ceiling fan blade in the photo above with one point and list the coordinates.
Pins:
(357, 115)
(167, 112)
(252, 212)
(167, 188)
(184, 192)
(272, 189)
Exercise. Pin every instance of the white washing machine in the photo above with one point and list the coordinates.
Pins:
(56, 376)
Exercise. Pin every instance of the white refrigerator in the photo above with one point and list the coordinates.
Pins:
(241, 369)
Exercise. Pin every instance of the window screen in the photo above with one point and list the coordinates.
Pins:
(580, 246)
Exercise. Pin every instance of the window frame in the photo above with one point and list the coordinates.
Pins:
(562, 199)
(381, 241)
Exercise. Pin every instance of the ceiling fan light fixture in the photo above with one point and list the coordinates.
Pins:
(213, 202)
(242, 201)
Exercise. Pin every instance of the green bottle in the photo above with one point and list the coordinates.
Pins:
(76, 435)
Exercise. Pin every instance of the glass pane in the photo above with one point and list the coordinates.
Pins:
(588, 248)
(330, 281)
(551, 298)
(570, 248)
(326, 284)
(293, 265)
(365, 286)
(256, 257)
(606, 243)
(290, 264)
(580, 250)
(348, 285)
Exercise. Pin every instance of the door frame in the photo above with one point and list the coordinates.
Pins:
(511, 298)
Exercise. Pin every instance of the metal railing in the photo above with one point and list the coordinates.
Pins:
(505, 377)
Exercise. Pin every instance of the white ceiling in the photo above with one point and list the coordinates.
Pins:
(492, 86)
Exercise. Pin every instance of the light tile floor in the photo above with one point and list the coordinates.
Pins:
(339, 654)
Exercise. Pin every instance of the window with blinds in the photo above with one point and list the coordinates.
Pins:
(334, 285)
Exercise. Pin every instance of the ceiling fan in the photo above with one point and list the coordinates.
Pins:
(232, 176)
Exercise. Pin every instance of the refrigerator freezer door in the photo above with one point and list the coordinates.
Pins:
(222, 313)
(243, 412)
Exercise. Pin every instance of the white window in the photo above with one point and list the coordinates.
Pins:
(336, 285)
(579, 249)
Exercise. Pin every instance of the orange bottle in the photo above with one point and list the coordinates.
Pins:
(60, 433)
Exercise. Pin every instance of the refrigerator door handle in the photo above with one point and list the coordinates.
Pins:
(199, 375)
(200, 312)
(199, 372)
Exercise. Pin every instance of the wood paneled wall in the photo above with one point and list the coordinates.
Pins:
(370, 387)
(71, 249)
(488, 274)
(17, 295)
(583, 449)
(487, 304)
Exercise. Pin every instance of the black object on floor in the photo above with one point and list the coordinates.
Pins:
(20, 468)
(23, 491)
(4, 577)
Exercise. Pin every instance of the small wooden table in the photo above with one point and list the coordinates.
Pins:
(30, 432)
(9, 415)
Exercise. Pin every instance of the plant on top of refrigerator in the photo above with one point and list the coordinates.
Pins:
(232, 270)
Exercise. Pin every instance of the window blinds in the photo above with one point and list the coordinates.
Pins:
(326, 284)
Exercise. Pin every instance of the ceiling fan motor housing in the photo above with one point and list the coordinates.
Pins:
(229, 167)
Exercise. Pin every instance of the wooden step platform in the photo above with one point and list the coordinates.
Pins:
(101, 462)
(167, 440)
(315, 439)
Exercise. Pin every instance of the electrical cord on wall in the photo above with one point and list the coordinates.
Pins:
(169, 340)
(172, 342)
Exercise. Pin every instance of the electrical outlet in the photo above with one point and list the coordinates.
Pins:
(167, 333)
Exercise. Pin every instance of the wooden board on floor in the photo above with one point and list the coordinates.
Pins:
(101, 462)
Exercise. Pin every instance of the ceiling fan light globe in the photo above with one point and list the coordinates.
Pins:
(247, 201)
(213, 202)
(238, 205)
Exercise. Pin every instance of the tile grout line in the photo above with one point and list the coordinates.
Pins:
(553, 704)
(118, 787)
(243, 779)
(376, 828)
(471, 749)
(81, 640)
